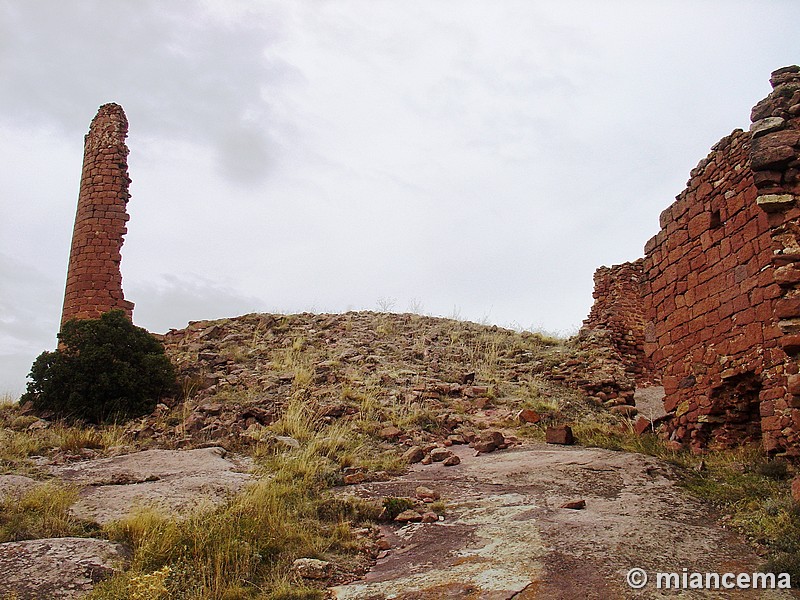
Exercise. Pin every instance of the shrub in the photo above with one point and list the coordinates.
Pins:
(105, 369)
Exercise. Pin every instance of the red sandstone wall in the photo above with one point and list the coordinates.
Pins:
(709, 298)
(721, 288)
(94, 281)
(775, 162)
(619, 309)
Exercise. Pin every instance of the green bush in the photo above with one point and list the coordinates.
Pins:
(105, 369)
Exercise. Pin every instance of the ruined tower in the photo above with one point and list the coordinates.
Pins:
(94, 280)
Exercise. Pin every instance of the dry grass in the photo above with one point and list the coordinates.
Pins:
(41, 512)
(19, 441)
(245, 548)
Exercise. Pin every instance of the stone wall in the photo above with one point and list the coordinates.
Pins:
(94, 281)
(709, 301)
(619, 309)
(775, 163)
(720, 289)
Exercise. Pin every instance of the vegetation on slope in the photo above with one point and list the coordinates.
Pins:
(312, 397)
(104, 370)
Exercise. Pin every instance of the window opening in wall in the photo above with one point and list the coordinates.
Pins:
(716, 219)
(734, 417)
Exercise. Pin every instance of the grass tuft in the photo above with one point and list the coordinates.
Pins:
(41, 512)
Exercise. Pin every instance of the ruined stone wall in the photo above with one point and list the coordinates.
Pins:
(619, 309)
(709, 296)
(94, 281)
(775, 163)
(721, 287)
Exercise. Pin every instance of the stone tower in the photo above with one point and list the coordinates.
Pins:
(94, 280)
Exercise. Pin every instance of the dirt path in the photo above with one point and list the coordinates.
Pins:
(505, 535)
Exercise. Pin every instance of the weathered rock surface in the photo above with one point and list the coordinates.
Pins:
(505, 535)
(56, 568)
(15, 485)
(174, 480)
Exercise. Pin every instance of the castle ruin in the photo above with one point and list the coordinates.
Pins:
(713, 307)
(712, 310)
(94, 280)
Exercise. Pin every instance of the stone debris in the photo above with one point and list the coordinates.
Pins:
(489, 441)
(430, 517)
(426, 494)
(390, 433)
(413, 455)
(526, 415)
(451, 461)
(574, 505)
(440, 454)
(408, 516)
(624, 410)
(642, 426)
(242, 384)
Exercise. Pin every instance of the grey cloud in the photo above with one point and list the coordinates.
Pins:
(164, 303)
(176, 71)
(28, 320)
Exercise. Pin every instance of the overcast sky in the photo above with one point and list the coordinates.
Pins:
(477, 159)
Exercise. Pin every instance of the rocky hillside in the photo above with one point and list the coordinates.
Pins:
(413, 373)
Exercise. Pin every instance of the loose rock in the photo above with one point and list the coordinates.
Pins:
(408, 516)
(440, 454)
(560, 435)
(414, 455)
(526, 415)
(426, 494)
(312, 568)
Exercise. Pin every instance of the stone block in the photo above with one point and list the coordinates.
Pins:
(560, 435)
(772, 203)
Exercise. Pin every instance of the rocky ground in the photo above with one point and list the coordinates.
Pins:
(488, 510)
(175, 481)
(549, 522)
